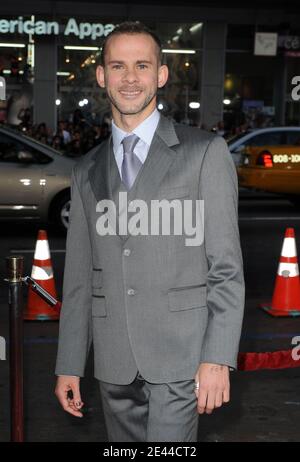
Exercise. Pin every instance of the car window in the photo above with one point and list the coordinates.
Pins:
(13, 150)
(230, 139)
(266, 139)
(293, 137)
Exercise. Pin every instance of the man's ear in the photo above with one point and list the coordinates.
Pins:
(100, 76)
(163, 74)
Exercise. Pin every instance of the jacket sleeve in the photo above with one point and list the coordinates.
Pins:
(225, 282)
(75, 320)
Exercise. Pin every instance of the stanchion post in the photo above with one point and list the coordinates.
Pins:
(14, 266)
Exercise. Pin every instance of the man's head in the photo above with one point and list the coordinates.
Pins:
(130, 69)
(131, 27)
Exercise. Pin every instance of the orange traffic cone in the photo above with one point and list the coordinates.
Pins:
(286, 296)
(37, 309)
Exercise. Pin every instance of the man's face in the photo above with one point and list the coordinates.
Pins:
(132, 73)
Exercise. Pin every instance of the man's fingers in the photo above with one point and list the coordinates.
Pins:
(226, 395)
(210, 405)
(62, 396)
(76, 396)
(202, 398)
(71, 410)
(208, 401)
(214, 387)
(219, 399)
(70, 404)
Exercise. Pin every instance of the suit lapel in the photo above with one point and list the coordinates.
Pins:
(99, 172)
(159, 160)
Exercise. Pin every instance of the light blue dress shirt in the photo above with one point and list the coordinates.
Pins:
(145, 131)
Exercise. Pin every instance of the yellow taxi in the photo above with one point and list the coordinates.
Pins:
(273, 169)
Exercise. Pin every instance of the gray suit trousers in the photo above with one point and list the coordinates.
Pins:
(150, 412)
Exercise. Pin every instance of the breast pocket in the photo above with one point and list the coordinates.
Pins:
(187, 298)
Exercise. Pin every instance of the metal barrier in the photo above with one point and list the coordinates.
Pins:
(14, 268)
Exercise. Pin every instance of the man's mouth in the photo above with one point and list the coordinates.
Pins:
(131, 93)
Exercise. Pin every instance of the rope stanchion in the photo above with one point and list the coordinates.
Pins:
(268, 360)
(15, 300)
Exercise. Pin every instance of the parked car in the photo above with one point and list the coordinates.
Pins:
(34, 179)
(273, 169)
(263, 137)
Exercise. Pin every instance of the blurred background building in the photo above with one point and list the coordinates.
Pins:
(230, 67)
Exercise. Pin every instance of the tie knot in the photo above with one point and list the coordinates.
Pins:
(129, 143)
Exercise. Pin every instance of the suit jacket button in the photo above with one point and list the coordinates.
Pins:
(131, 292)
(126, 252)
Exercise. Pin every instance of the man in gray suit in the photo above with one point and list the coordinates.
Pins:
(164, 312)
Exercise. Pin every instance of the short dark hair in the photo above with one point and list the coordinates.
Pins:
(131, 27)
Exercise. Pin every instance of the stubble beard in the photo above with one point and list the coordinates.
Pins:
(135, 110)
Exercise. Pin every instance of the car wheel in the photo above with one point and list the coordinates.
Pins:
(62, 212)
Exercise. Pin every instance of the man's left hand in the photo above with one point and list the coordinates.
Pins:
(214, 387)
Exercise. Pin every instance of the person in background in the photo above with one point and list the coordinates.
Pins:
(63, 132)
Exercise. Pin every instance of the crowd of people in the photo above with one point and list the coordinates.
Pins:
(72, 138)
(75, 137)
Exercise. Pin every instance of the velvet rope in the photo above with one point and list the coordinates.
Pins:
(269, 360)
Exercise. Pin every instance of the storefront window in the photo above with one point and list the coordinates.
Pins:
(78, 90)
(26, 42)
(249, 82)
(15, 67)
(76, 67)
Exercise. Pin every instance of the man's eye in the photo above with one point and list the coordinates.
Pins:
(143, 66)
(117, 66)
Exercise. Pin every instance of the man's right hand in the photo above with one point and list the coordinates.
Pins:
(64, 384)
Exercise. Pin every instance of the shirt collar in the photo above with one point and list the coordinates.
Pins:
(145, 130)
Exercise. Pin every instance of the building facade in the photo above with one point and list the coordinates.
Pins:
(49, 52)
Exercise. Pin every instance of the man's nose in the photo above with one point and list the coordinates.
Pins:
(130, 75)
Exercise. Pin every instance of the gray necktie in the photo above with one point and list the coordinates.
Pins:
(131, 163)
